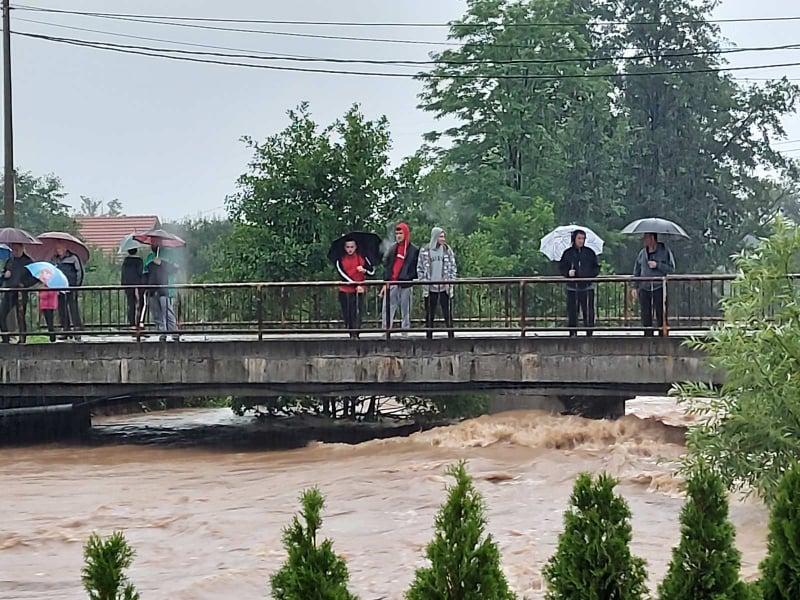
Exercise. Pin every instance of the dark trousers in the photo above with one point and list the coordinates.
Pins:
(352, 309)
(135, 299)
(583, 301)
(652, 303)
(432, 300)
(14, 301)
(68, 311)
(50, 321)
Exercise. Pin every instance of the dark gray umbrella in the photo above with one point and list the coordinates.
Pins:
(655, 225)
(12, 235)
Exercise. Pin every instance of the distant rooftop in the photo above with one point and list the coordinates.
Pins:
(105, 233)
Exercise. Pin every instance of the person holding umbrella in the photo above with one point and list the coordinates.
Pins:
(353, 266)
(15, 275)
(158, 272)
(654, 260)
(69, 255)
(579, 261)
(437, 262)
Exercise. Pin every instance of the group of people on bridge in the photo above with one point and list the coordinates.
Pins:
(435, 262)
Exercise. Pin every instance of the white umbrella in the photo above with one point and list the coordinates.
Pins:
(128, 243)
(558, 240)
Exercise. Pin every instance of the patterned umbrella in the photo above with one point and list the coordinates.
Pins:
(48, 275)
(557, 241)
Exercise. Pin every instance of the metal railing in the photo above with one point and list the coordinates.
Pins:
(502, 305)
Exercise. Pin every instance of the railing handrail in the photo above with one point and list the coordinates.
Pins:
(534, 279)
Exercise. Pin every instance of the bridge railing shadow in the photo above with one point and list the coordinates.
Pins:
(500, 305)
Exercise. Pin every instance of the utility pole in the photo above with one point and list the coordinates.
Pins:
(8, 140)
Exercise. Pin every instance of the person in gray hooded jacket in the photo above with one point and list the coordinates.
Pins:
(654, 260)
(437, 262)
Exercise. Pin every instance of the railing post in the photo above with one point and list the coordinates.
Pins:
(523, 306)
(665, 321)
(387, 314)
(260, 311)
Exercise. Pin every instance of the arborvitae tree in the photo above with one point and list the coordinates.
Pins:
(311, 571)
(465, 563)
(103, 572)
(705, 564)
(780, 571)
(593, 560)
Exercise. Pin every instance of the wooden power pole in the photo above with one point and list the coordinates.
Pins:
(8, 140)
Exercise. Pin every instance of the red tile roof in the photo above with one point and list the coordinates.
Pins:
(106, 233)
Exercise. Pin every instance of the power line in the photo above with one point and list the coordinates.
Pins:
(165, 53)
(246, 53)
(397, 24)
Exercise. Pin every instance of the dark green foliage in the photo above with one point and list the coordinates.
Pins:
(780, 571)
(41, 205)
(593, 560)
(312, 571)
(104, 568)
(465, 563)
(705, 564)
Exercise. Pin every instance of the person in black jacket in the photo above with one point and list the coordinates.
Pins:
(133, 275)
(15, 276)
(579, 262)
(400, 266)
(68, 310)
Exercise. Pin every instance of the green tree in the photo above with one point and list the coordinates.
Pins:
(593, 560)
(527, 133)
(465, 562)
(780, 570)
(699, 144)
(705, 564)
(749, 428)
(305, 188)
(103, 573)
(205, 239)
(40, 205)
(311, 570)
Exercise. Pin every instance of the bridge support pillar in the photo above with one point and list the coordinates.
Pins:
(595, 407)
(35, 424)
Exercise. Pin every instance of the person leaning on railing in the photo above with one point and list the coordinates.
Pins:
(158, 271)
(437, 262)
(657, 261)
(16, 275)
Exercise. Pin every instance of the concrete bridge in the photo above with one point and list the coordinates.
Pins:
(600, 367)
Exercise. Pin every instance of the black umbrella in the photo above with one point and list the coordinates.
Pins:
(368, 245)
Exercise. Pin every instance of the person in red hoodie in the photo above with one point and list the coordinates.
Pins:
(353, 269)
(400, 268)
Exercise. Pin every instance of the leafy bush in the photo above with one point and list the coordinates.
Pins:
(750, 429)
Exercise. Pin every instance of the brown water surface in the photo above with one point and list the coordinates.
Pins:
(206, 523)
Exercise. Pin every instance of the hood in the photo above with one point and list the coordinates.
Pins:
(435, 233)
(401, 249)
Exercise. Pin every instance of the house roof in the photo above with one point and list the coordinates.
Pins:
(105, 233)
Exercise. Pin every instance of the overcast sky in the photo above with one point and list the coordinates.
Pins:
(163, 136)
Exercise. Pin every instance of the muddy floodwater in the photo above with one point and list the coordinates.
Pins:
(206, 522)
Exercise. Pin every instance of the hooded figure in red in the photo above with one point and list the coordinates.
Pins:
(400, 268)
